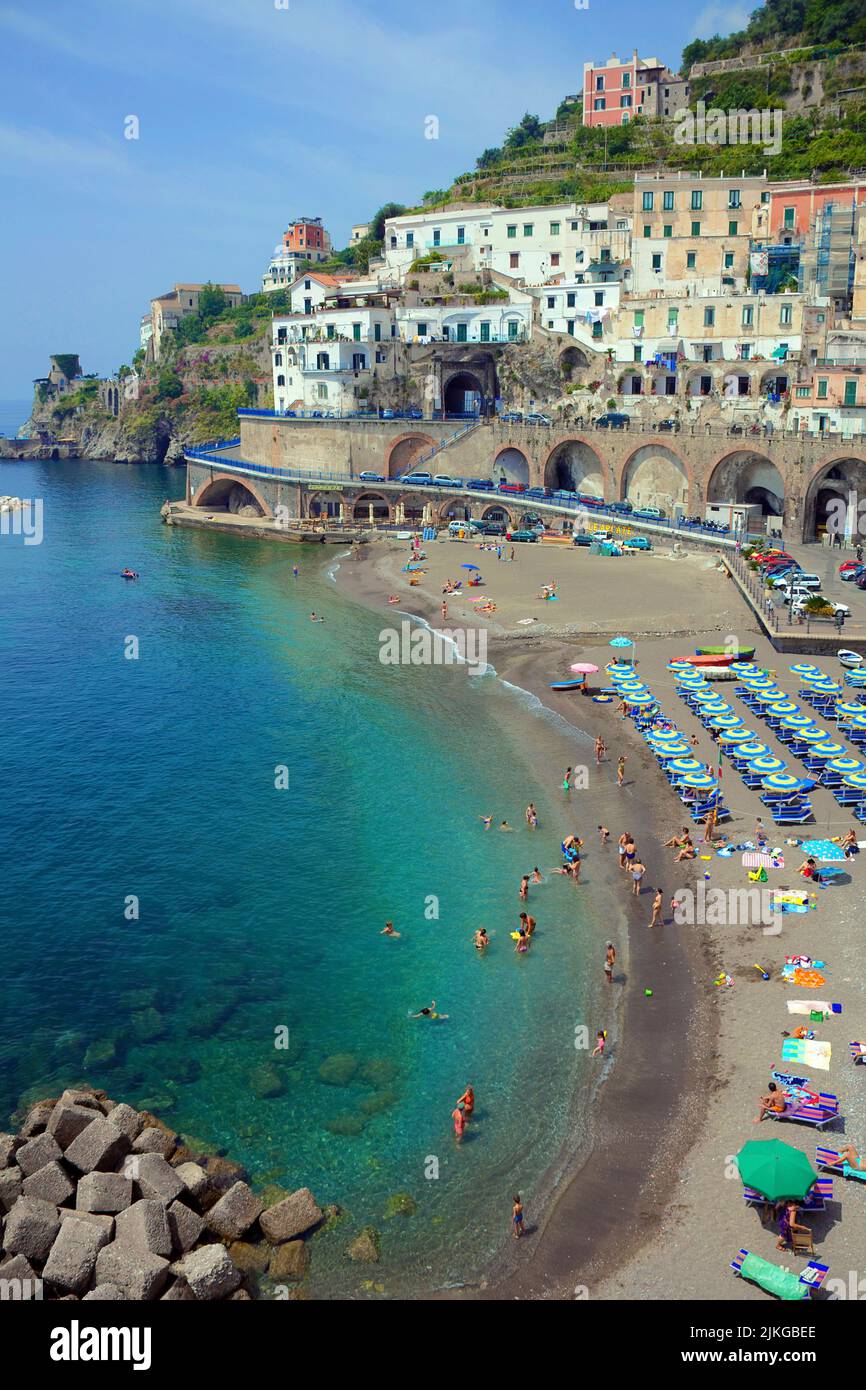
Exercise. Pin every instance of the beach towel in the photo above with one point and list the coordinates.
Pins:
(807, 1007)
(805, 979)
(759, 860)
(809, 1054)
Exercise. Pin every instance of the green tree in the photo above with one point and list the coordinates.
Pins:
(526, 132)
(211, 300)
(169, 385)
(489, 157)
(378, 220)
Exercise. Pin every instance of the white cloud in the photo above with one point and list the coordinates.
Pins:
(35, 150)
(722, 19)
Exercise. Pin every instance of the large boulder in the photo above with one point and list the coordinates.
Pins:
(52, 1183)
(137, 1272)
(37, 1152)
(154, 1141)
(127, 1119)
(209, 1271)
(155, 1178)
(103, 1192)
(234, 1213)
(66, 1122)
(365, 1247)
(9, 1146)
(72, 1259)
(193, 1177)
(185, 1225)
(11, 1181)
(291, 1218)
(100, 1146)
(145, 1223)
(289, 1262)
(31, 1229)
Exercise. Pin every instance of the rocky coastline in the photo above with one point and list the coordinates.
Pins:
(101, 1202)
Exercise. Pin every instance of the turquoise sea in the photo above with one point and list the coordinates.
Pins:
(259, 908)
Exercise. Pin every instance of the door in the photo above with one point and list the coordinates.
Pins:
(461, 332)
(485, 331)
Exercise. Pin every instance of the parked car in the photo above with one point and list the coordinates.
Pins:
(799, 605)
(587, 499)
(371, 477)
(521, 535)
(802, 581)
(637, 543)
(480, 484)
(443, 480)
(536, 418)
(851, 570)
(670, 425)
(650, 513)
(860, 581)
(787, 571)
(562, 495)
(625, 508)
(423, 478)
(611, 420)
(455, 527)
(581, 538)
(487, 528)
(512, 487)
(511, 417)
(414, 414)
(539, 492)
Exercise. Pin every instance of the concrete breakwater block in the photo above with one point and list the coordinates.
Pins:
(94, 1210)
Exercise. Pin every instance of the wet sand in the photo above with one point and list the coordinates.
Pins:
(690, 1062)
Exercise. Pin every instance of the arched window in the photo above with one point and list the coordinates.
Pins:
(281, 381)
(278, 359)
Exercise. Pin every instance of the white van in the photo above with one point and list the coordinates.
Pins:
(797, 580)
(455, 528)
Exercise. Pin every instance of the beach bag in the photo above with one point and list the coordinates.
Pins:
(758, 875)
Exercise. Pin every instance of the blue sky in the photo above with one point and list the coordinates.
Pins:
(251, 112)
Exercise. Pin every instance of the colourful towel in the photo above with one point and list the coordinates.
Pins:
(809, 1053)
(807, 1007)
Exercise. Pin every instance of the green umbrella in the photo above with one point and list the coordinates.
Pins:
(775, 1169)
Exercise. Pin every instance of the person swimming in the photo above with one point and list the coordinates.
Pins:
(429, 1012)
(481, 940)
(388, 930)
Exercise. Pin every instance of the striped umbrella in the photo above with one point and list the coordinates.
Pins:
(785, 782)
(772, 696)
(846, 765)
(717, 706)
(687, 682)
(856, 721)
(680, 666)
(746, 668)
(734, 736)
(827, 750)
(803, 668)
(619, 668)
(639, 699)
(664, 736)
(850, 707)
(702, 696)
(631, 687)
(685, 765)
(672, 750)
(799, 721)
(753, 749)
(812, 735)
(783, 707)
(726, 721)
(824, 687)
(701, 780)
(758, 682)
(768, 763)
(855, 779)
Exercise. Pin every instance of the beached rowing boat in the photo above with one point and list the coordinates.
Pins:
(742, 654)
(566, 685)
(706, 659)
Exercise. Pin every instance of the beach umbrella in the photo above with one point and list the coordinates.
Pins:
(758, 682)
(804, 668)
(638, 698)
(827, 750)
(745, 668)
(824, 849)
(856, 721)
(846, 765)
(704, 695)
(701, 780)
(618, 668)
(726, 721)
(855, 779)
(680, 666)
(622, 642)
(736, 736)
(665, 736)
(584, 668)
(785, 782)
(849, 707)
(672, 750)
(824, 687)
(680, 764)
(470, 567)
(798, 721)
(775, 1169)
(753, 749)
(783, 707)
(812, 735)
(767, 762)
(771, 696)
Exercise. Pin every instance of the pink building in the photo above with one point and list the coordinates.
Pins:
(616, 91)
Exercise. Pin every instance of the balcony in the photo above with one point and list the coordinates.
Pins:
(446, 245)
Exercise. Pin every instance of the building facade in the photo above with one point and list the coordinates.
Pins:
(620, 89)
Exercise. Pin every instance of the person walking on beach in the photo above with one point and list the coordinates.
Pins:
(459, 1119)
(517, 1217)
(621, 846)
(630, 852)
(444, 610)
(637, 872)
(566, 781)
(600, 1040)
(710, 826)
(603, 834)
(524, 887)
(512, 552)
(600, 750)
(657, 908)
(620, 770)
(609, 961)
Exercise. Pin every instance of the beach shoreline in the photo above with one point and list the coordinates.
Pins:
(602, 1207)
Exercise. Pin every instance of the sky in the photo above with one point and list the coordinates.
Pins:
(249, 113)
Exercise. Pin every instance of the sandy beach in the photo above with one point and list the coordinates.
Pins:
(690, 1062)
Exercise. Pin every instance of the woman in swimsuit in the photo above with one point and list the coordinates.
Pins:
(637, 873)
(849, 1155)
(467, 1100)
(481, 940)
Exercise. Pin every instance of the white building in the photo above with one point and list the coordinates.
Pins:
(324, 356)
(503, 322)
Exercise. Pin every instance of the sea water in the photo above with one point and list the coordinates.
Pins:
(211, 807)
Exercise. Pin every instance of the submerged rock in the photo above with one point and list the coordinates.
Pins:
(101, 1053)
(347, 1125)
(400, 1204)
(148, 1025)
(365, 1247)
(377, 1102)
(338, 1069)
(266, 1082)
(378, 1071)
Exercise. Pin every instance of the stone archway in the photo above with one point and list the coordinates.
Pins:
(497, 512)
(748, 476)
(573, 363)
(364, 501)
(401, 453)
(574, 466)
(229, 494)
(656, 476)
(325, 504)
(510, 465)
(413, 506)
(463, 394)
(834, 496)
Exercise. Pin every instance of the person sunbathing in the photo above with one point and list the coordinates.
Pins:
(808, 868)
(773, 1103)
(849, 1155)
(687, 850)
(677, 841)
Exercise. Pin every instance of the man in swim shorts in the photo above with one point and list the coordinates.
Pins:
(517, 1217)
(773, 1103)
(609, 961)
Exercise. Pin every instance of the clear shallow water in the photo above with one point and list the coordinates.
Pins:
(261, 908)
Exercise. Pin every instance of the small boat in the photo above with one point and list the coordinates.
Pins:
(566, 685)
(707, 659)
(853, 660)
(742, 653)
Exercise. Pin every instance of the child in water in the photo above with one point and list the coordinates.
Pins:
(601, 1039)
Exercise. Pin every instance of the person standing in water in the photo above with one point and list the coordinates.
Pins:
(524, 887)
(603, 834)
(566, 781)
(609, 962)
(532, 816)
(467, 1100)
(620, 770)
(517, 1217)
(459, 1119)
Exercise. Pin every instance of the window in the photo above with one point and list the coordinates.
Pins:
(570, 300)
(322, 391)
(554, 258)
(393, 242)
(511, 230)
(657, 261)
(278, 359)
(281, 381)
(625, 100)
(599, 299)
(550, 323)
(673, 316)
(514, 260)
(461, 236)
(626, 79)
(551, 302)
(528, 228)
(785, 315)
(377, 332)
(696, 229)
(667, 230)
(647, 229)
(729, 260)
(599, 84)
(638, 318)
(410, 239)
(647, 202)
(422, 330)
(697, 200)
(597, 330)
(822, 388)
(732, 228)
(462, 333)
(668, 200)
(765, 196)
(331, 330)
(485, 330)
(734, 198)
(569, 328)
(803, 392)
(748, 315)
(790, 216)
(308, 306)
(512, 329)
(308, 285)
(709, 318)
(745, 352)
(437, 236)
(356, 332)
(554, 229)
(636, 354)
